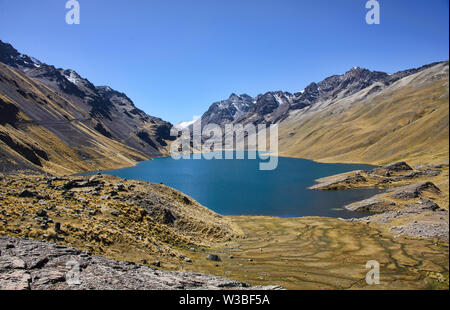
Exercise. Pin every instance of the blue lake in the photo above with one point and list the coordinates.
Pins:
(238, 187)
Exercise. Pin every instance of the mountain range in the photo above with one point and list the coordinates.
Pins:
(359, 116)
(54, 120)
(275, 106)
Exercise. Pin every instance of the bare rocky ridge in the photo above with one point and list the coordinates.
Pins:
(228, 110)
(275, 106)
(30, 264)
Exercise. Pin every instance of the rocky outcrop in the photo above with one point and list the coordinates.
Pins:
(415, 220)
(423, 230)
(426, 204)
(413, 190)
(387, 170)
(374, 204)
(8, 113)
(341, 182)
(30, 264)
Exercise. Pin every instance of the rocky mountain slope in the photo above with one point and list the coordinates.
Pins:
(275, 106)
(226, 111)
(56, 121)
(406, 120)
(361, 116)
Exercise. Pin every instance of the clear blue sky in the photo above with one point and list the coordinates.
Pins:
(174, 58)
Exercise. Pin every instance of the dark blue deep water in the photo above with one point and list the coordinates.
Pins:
(238, 187)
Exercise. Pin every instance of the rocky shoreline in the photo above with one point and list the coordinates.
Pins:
(409, 204)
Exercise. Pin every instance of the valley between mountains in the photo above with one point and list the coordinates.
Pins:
(55, 123)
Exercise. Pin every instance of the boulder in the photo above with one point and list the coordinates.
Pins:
(41, 213)
(427, 204)
(413, 190)
(119, 187)
(213, 257)
(398, 166)
(27, 194)
(169, 217)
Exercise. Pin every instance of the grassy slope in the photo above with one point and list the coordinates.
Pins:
(129, 226)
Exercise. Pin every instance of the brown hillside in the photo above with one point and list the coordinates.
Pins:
(41, 130)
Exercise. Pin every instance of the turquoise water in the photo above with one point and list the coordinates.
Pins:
(238, 187)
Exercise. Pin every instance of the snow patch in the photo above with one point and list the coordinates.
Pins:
(183, 125)
(73, 77)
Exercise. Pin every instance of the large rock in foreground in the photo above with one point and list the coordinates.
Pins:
(36, 265)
